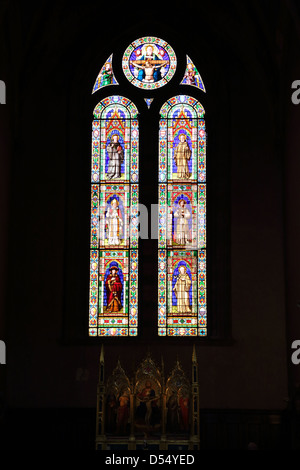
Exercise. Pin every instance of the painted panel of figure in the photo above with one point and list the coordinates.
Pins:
(178, 413)
(178, 401)
(182, 216)
(117, 402)
(117, 412)
(182, 283)
(114, 216)
(148, 407)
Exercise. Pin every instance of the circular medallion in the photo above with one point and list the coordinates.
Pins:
(149, 63)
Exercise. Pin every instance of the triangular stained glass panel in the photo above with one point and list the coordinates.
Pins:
(192, 76)
(148, 101)
(106, 76)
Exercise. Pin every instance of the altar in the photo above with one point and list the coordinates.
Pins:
(153, 410)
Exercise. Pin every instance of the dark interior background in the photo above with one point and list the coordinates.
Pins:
(248, 56)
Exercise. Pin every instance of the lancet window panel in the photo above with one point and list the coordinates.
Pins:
(182, 303)
(114, 219)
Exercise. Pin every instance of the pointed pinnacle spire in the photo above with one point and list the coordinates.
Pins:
(194, 357)
(102, 354)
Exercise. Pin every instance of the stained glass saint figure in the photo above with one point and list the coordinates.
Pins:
(107, 75)
(114, 223)
(181, 289)
(182, 155)
(114, 288)
(182, 231)
(115, 156)
(192, 76)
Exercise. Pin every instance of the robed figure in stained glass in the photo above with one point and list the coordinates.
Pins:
(107, 75)
(182, 155)
(182, 232)
(190, 75)
(115, 157)
(181, 289)
(114, 223)
(114, 288)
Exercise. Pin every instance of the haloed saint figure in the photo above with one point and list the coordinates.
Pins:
(181, 289)
(114, 223)
(107, 75)
(114, 288)
(182, 231)
(182, 155)
(115, 158)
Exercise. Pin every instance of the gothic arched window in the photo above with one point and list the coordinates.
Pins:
(114, 225)
(182, 307)
(148, 63)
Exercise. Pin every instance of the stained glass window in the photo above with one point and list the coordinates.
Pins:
(113, 298)
(182, 308)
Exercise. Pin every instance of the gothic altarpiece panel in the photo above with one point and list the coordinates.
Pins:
(150, 410)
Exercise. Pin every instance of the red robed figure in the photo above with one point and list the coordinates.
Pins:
(113, 290)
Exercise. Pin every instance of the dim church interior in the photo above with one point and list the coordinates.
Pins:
(248, 57)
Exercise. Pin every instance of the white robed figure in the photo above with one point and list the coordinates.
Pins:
(182, 232)
(181, 289)
(114, 223)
